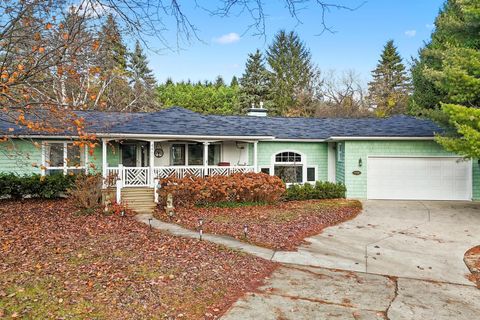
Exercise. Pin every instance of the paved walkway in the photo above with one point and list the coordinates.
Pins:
(223, 240)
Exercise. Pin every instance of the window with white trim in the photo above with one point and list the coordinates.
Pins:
(311, 174)
(288, 166)
(63, 158)
(340, 151)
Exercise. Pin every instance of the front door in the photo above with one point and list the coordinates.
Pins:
(129, 155)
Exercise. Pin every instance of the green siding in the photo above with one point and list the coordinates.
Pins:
(476, 179)
(355, 150)
(339, 167)
(20, 156)
(316, 153)
(25, 156)
(113, 156)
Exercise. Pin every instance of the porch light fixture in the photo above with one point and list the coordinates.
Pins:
(360, 163)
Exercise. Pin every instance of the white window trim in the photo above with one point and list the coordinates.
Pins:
(303, 163)
(340, 151)
(186, 153)
(315, 167)
(45, 163)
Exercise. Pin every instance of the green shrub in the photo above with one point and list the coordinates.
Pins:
(35, 186)
(321, 190)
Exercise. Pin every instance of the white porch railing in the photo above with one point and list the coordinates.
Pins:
(142, 177)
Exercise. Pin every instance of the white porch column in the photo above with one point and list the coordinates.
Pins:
(104, 159)
(255, 159)
(205, 158)
(151, 159)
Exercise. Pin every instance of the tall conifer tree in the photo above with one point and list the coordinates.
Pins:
(292, 70)
(142, 80)
(389, 89)
(254, 83)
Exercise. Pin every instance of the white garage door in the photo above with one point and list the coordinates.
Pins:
(419, 178)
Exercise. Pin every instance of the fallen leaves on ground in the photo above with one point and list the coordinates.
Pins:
(55, 264)
(472, 260)
(282, 226)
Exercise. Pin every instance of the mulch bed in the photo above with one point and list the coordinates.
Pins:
(55, 264)
(472, 260)
(282, 226)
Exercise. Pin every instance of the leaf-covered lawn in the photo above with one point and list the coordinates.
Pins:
(58, 265)
(281, 226)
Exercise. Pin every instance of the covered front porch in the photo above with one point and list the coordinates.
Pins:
(138, 162)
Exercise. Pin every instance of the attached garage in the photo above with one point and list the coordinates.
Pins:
(419, 178)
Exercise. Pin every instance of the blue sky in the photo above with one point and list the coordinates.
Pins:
(356, 44)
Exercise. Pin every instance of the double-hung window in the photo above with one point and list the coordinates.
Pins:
(63, 158)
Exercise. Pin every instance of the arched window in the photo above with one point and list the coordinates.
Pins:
(289, 166)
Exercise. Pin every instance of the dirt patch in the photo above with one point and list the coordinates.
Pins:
(472, 260)
(283, 226)
(59, 265)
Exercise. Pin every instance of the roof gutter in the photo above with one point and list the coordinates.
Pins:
(168, 136)
(143, 136)
(300, 140)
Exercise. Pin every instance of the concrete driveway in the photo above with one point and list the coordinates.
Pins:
(412, 239)
(396, 260)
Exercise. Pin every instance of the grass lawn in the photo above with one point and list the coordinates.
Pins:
(281, 226)
(58, 265)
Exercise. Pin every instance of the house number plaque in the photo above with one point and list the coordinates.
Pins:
(356, 173)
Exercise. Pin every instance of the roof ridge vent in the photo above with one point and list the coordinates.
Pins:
(257, 112)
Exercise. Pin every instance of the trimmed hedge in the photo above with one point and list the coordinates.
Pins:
(320, 190)
(239, 187)
(35, 186)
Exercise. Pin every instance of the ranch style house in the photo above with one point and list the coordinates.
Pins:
(376, 158)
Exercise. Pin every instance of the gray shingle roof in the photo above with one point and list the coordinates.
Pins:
(179, 121)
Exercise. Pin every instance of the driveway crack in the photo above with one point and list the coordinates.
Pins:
(395, 295)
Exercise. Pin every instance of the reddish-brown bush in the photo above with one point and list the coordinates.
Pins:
(239, 187)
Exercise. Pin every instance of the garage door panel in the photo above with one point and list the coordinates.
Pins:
(418, 178)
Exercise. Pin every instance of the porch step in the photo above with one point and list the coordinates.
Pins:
(141, 200)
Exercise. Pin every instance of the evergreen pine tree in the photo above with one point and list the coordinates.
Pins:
(142, 80)
(457, 25)
(254, 83)
(389, 89)
(219, 82)
(234, 82)
(113, 60)
(455, 47)
(114, 50)
(292, 71)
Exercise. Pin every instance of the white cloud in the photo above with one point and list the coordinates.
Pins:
(410, 33)
(228, 38)
(429, 26)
